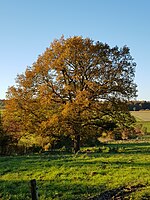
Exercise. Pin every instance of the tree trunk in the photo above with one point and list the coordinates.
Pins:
(77, 143)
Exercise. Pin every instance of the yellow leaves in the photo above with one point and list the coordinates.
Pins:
(53, 120)
(43, 125)
(82, 99)
(67, 110)
(76, 108)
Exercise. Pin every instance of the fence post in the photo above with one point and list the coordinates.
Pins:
(34, 190)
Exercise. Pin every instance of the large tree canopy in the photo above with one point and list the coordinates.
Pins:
(71, 88)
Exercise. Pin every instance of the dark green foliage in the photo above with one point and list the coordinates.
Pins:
(139, 105)
(63, 142)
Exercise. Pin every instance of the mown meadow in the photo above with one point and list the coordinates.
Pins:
(142, 117)
(85, 175)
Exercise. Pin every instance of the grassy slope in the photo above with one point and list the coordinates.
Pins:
(68, 177)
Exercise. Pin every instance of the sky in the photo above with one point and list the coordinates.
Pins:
(27, 27)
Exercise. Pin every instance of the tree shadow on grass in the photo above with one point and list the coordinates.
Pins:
(14, 190)
(119, 193)
(51, 190)
(47, 190)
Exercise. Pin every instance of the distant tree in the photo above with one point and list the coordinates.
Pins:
(71, 89)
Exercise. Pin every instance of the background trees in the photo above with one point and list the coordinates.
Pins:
(139, 105)
(71, 89)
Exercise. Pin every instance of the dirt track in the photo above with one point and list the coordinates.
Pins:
(118, 193)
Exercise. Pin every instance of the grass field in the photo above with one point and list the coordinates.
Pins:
(79, 177)
(142, 117)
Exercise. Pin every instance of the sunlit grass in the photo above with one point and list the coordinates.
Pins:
(77, 176)
(142, 117)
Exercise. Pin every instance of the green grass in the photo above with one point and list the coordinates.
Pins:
(145, 124)
(72, 177)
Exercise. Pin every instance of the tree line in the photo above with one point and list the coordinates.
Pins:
(77, 90)
(139, 105)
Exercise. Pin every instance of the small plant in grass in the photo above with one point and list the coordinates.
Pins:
(104, 149)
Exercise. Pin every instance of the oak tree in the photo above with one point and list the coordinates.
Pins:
(71, 88)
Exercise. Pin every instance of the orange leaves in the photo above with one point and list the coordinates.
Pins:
(68, 110)
(76, 108)
(53, 120)
(82, 98)
(69, 85)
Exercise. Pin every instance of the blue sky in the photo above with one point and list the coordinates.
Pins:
(27, 27)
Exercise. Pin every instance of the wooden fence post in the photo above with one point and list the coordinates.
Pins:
(34, 190)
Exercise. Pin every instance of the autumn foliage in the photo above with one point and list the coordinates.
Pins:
(73, 89)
